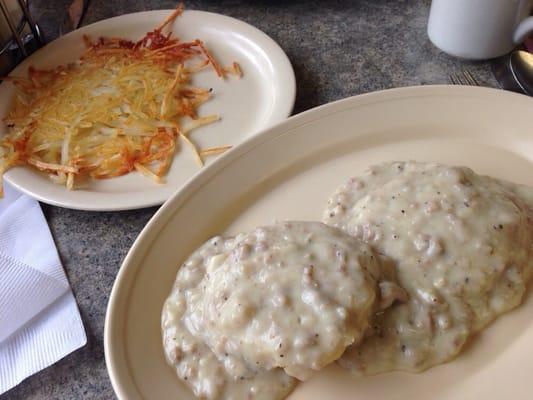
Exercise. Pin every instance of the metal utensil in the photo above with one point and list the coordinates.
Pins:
(73, 16)
(464, 78)
(19, 34)
(515, 72)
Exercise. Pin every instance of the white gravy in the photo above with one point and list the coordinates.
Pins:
(462, 245)
(290, 297)
(209, 376)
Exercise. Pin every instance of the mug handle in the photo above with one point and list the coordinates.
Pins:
(522, 30)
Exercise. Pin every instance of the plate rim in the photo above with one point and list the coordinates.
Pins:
(282, 110)
(135, 256)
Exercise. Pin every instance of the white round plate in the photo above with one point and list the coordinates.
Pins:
(262, 97)
(288, 172)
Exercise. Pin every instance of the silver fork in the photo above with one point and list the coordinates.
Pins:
(464, 78)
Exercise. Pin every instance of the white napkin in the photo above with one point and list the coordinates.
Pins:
(39, 319)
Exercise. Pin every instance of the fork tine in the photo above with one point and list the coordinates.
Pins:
(461, 78)
(470, 78)
(465, 78)
(455, 79)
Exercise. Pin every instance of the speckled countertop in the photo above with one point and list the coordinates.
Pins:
(337, 48)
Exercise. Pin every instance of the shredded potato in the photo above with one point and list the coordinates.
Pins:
(120, 108)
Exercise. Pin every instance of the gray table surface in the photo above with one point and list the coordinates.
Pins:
(337, 48)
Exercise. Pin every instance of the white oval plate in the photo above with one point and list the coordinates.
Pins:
(288, 172)
(262, 97)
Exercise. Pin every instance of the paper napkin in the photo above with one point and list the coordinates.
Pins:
(39, 319)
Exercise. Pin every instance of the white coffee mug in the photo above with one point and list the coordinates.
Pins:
(479, 29)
